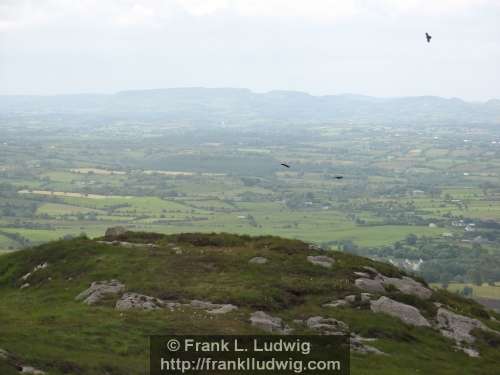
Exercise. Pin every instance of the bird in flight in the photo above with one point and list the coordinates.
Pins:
(285, 165)
(428, 37)
(339, 177)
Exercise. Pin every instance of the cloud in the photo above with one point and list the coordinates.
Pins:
(21, 14)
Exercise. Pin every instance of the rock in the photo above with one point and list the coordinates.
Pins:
(366, 297)
(4, 354)
(350, 299)
(407, 285)
(212, 308)
(406, 313)
(357, 344)
(41, 266)
(114, 232)
(24, 286)
(224, 309)
(258, 260)
(135, 301)
(371, 269)
(269, 323)
(337, 303)
(362, 274)
(321, 260)
(327, 326)
(100, 289)
(458, 327)
(374, 286)
(31, 370)
(469, 351)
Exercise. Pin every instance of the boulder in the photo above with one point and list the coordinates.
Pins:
(223, 309)
(100, 289)
(31, 370)
(41, 266)
(327, 326)
(321, 260)
(135, 301)
(357, 344)
(406, 313)
(458, 327)
(407, 285)
(24, 286)
(370, 285)
(258, 260)
(269, 323)
(114, 232)
(212, 308)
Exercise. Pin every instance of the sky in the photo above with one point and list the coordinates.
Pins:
(368, 47)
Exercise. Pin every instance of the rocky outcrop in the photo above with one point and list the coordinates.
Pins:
(99, 290)
(326, 326)
(258, 260)
(406, 313)
(114, 232)
(212, 308)
(330, 326)
(321, 260)
(379, 282)
(127, 244)
(350, 300)
(358, 345)
(457, 327)
(15, 362)
(407, 285)
(269, 323)
(135, 301)
(41, 266)
(372, 286)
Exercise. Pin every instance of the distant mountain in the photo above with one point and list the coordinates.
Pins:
(241, 105)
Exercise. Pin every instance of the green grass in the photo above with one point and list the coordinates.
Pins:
(45, 326)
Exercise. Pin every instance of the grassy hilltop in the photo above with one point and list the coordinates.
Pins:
(42, 325)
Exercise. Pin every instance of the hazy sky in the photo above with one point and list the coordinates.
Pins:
(372, 47)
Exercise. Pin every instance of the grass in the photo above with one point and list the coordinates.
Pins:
(49, 329)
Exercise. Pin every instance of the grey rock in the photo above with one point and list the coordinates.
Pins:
(223, 309)
(114, 232)
(336, 303)
(212, 308)
(357, 344)
(362, 274)
(258, 260)
(25, 285)
(458, 327)
(327, 326)
(41, 266)
(406, 313)
(4, 354)
(269, 323)
(321, 260)
(31, 370)
(407, 285)
(100, 289)
(373, 286)
(135, 301)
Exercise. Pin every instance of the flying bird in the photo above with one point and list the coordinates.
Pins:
(428, 37)
(339, 177)
(285, 165)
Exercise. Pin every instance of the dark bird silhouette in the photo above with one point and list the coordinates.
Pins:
(285, 165)
(428, 37)
(339, 177)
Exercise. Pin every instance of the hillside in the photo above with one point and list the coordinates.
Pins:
(215, 284)
(241, 106)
